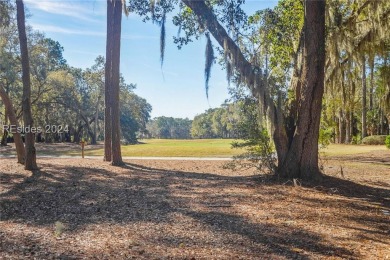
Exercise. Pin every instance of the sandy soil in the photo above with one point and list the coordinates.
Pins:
(150, 209)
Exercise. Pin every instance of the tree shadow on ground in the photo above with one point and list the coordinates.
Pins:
(80, 196)
(350, 189)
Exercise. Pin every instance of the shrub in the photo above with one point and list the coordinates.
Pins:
(325, 138)
(374, 140)
(260, 153)
(356, 139)
(387, 142)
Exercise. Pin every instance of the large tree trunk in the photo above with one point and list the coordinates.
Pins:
(115, 112)
(107, 86)
(302, 158)
(14, 121)
(30, 157)
(114, 20)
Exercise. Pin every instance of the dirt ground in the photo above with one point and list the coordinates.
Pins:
(150, 209)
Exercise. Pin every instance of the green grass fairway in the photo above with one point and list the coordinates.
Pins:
(186, 148)
(344, 149)
(177, 148)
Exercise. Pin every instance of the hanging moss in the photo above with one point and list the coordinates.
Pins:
(209, 54)
(162, 39)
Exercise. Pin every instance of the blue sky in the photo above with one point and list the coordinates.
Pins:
(176, 89)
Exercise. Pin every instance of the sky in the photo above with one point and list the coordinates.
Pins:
(176, 89)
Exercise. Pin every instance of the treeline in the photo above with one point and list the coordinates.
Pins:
(358, 96)
(227, 121)
(169, 128)
(67, 102)
(357, 83)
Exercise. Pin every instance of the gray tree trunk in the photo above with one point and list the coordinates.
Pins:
(302, 157)
(14, 121)
(107, 86)
(114, 20)
(30, 157)
(364, 98)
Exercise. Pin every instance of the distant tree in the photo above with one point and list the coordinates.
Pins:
(202, 125)
(5, 17)
(30, 158)
(135, 114)
(95, 79)
(169, 128)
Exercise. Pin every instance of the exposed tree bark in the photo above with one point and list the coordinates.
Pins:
(107, 86)
(364, 98)
(114, 7)
(296, 87)
(13, 120)
(115, 112)
(302, 157)
(30, 152)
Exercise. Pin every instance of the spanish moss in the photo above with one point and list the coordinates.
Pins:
(152, 9)
(124, 7)
(229, 68)
(162, 39)
(209, 62)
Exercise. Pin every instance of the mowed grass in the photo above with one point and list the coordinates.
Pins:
(189, 148)
(177, 148)
(348, 149)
